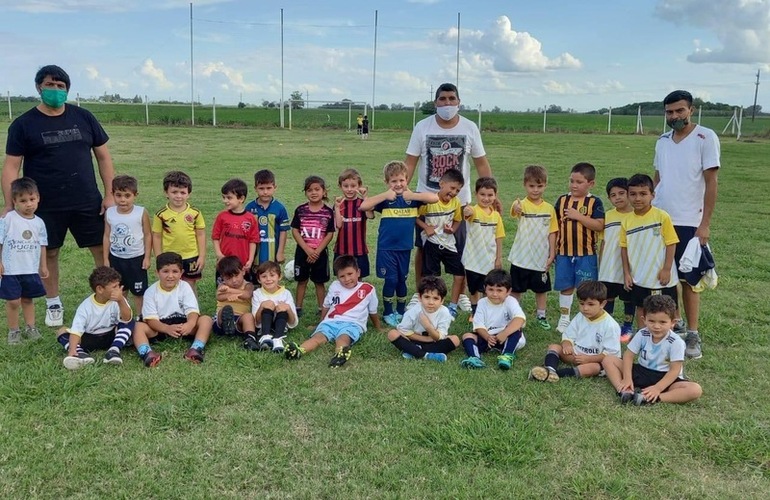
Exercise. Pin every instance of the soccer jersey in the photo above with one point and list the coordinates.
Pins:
(574, 239)
(397, 223)
(280, 296)
(240, 306)
(21, 239)
(610, 264)
(658, 356)
(481, 241)
(410, 323)
(592, 337)
(272, 221)
(645, 237)
(438, 215)
(95, 318)
(235, 232)
(177, 230)
(530, 248)
(495, 317)
(353, 305)
(351, 236)
(126, 232)
(313, 226)
(163, 304)
(680, 167)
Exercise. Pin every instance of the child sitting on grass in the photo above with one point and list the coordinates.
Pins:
(233, 299)
(273, 308)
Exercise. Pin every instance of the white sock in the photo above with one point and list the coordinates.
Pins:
(565, 302)
(541, 313)
(53, 301)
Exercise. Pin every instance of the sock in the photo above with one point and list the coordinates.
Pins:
(253, 335)
(198, 345)
(53, 301)
(511, 342)
(453, 305)
(473, 309)
(471, 349)
(281, 320)
(541, 313)
(64, 340)
(81, 351)
(628, 314)
(570, 371)
(401, 305)
(565, 304)
(122, 334)
(610, 306)
(143, 349)
(693, 331)
(267, 321)
(401, 292)
(409, 347)
(387, 304)
(551, 360)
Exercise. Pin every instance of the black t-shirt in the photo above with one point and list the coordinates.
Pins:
(57, 155)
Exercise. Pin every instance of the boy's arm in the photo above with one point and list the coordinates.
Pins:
(160, 327)
(43, 267)
(375, 319)
(189, 325)
(513, 326)
(300, 242)
(157, 244)
(325, 242)
(551, 250)
(218, 250)
(424, 197)
(200, 235)
(627, 277)
(147, 235)
(498, 253)
(281, 247)
(628, 366)
(252, 251)
(338, 212)
(430, 329)
(664, 276)
(106, 242)
(371, 202)
(126, 314)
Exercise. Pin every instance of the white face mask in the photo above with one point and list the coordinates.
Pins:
(447, 112)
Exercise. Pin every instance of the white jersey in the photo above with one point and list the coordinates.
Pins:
(440, 149)
(600, 336)
(353, 305)
(495, 317)
(610, 263)
(94, 318)
(163, 304)
(530, 249)
(410, 323)
(126, 232)
(280, 296)
(658, 356)
(21, 239)
(646, 237)
(680, 167)
(438, 215)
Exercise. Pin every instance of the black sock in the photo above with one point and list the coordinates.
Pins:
(268, 316)
(570, 371)
(473, 309)
(281, 320)
(409, 347)
(509, 347)
(551, 360)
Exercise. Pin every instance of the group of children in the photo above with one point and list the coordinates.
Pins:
(635, 241)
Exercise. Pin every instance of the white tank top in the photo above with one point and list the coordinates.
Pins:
(126, 236)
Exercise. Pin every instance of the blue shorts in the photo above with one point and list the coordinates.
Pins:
(18, 286)
(332, 330)
(393, 265)
(571, 271)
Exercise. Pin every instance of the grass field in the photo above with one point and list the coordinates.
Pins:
(254, 425)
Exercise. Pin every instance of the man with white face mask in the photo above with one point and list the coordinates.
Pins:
(686, 166)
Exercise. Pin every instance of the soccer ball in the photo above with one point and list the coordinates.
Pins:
(288, 270)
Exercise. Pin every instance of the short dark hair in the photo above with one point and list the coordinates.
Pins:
(55, 72)
(177, 178)
(229, 266)
(103, 276)
(23, 185)
(486, 183)
(498, 277)
(267, 266)
(590, 289)
(453, 175)
(125, 183)
(617, 182)
(432, 284)
(446, 87)
(535, 173)
(641, 180)
(168, 259)
(585, 169)
(343, 262)
(678, 95)
(264, 177)
(349, 173)
(660, 303)
(236, 187)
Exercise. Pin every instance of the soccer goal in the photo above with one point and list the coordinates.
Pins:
(340, 115)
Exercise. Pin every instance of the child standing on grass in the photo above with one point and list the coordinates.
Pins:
(581, 217)
(497, 324)
(128, 238)
(350, 222)
(273, 307)
(484, 242)
(103, 321)
(423, 331)
(171, 310)
(610, 261)
(273, 220)
(235, 231)
(179, 227)
(534, 247)
(438, 223)
(23, 241)
(659, 373)
(233, 300)
(590, 338)
(346, 308)
(313, 229)
(399, 208)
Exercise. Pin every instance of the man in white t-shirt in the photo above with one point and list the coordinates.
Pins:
(686, 167)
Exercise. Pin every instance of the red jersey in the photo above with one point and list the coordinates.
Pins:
(235, 232)
(351, 237)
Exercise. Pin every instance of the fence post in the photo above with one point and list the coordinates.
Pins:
(609, 121)
(10, 110)
(545, 113)
(479, 116)
(214, 111)
(146, 110)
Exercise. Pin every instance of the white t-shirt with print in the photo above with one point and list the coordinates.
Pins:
(163, 304)
(410, 323)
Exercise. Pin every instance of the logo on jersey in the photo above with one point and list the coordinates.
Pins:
(189, 218)
(26, 234)
(361, 293)
(246, 226)
(263, 220)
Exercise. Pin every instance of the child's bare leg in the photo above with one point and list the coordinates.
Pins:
(28, 310)
(301, 287)
(320, 293)
(516, 295)
(418, 264)
(12, 313)
(640, 317)
(541, 300)
(613, 368)
(458, 283)
(203, 328)
(142, 333)
(314, 342)
(589, 369)
(342, 341)
(138, 303)
(681, 392)
(246, 323)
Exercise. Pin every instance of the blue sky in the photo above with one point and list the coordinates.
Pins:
(516, 55)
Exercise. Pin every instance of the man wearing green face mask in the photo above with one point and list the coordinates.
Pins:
(53, 143)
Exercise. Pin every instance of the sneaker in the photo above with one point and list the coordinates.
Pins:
(640, 401)
(680, 327)
(543, 374)
(228, 320)
(464, 303)
(626, 397)
(54, 315)
(341, 357)
(250, 343)
(406, 355)
(299, 312)
(625, 338)
(14, 337)
(693, 346)
(112, 357)
(194, 355)
(151, 359)
(292, 351)
(544, 324)
(453, 310)
(413, 301)
(77, 362)
(563, 324)
(439, 357)
(505, 361)
(391, 319)
(278, 345)
(472, 362)
(265, 342)
(32, 333)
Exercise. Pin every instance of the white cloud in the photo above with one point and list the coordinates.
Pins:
(235, 79)
(93, 74)
(155, 74)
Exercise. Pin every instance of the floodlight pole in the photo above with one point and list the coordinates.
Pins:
(10, 111)
(283, 123)
(457, 71)
(756, 90)
(214, 110)
(374, 69)
(146, 110)
(192, 82)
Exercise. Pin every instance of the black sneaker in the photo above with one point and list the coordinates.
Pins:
(342, 357)
(228, 320)
(112, 357)
(194, 355)
(292, 351)
(639, 400)
(626, 397)
(250, 343)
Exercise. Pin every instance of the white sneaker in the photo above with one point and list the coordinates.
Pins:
(563, 324)
(266, 343)
(464, 303)
(54, 315)
(278, 345)
(415, 300)
(76, 362)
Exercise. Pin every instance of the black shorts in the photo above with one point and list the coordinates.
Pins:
(685, 234)
(317, 272)
(132, 277)
(444, 346)
(160, 336)
(616, 290)
(363, 263)
(86, 226)
(21, 286)
(434, 255)
(190, 269)
(475, 282)
(639, 293)
(644, 377)
(527, 279)
(101, 342)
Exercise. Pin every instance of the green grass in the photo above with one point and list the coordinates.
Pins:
(254, 425)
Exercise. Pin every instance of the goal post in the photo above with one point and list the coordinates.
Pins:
(339, 114)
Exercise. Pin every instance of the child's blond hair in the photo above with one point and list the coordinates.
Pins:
(394, 168)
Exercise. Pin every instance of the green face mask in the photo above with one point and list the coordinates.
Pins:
(54, 98)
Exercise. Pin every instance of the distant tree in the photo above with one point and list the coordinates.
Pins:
(241, 105)
(753, 110)
(265, 103)
(396, 106)
(383, 107)
(496, 109)
(137, 99)
(297, 102)
(553, 108)
(428, 107)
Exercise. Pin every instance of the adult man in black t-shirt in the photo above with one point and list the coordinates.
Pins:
(52, 142)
